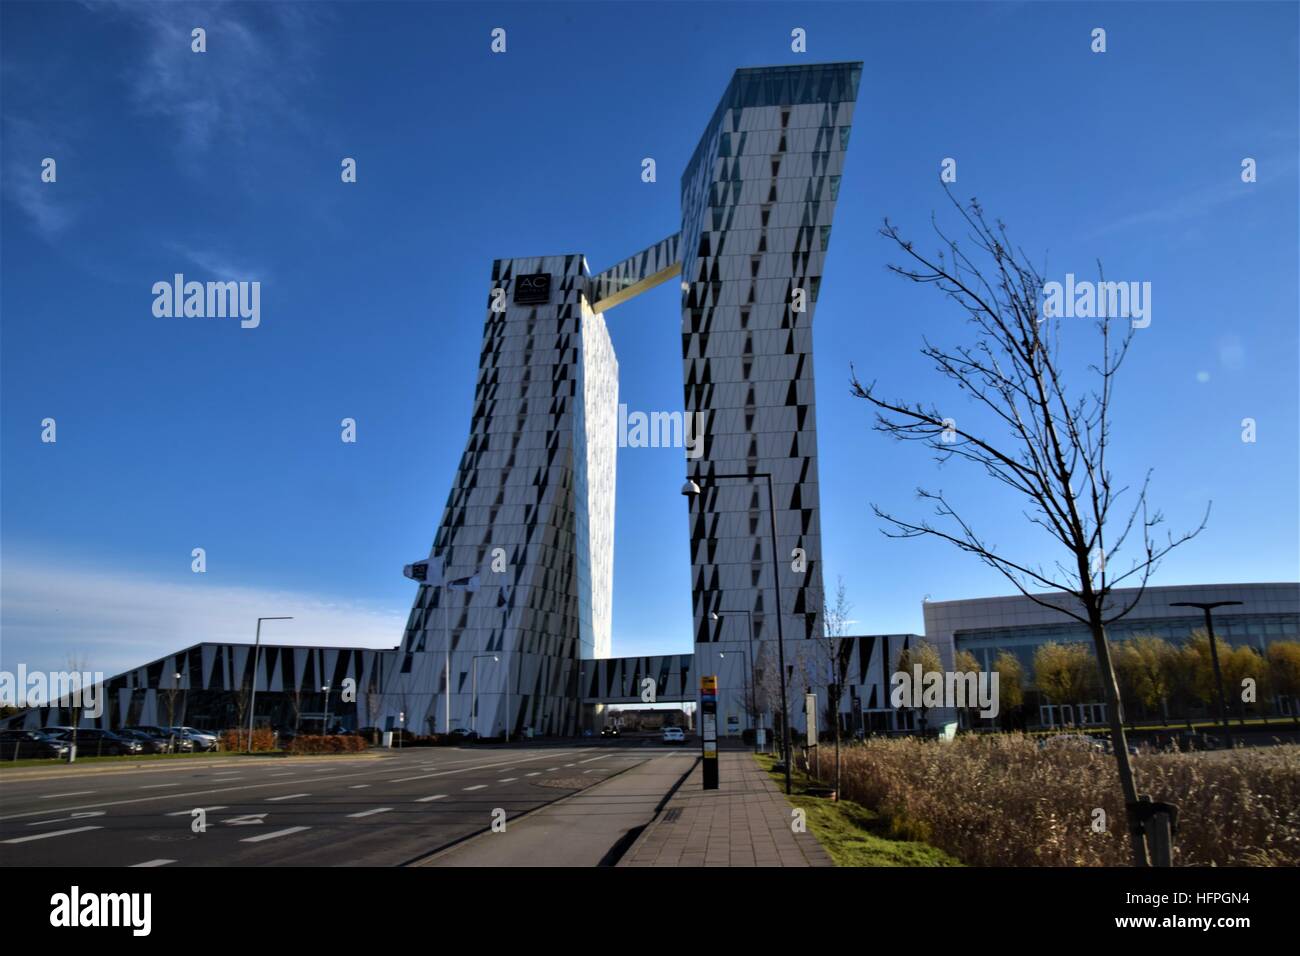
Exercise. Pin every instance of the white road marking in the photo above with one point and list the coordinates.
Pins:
(250, 786)
(74, 793)
(370, 813)
(533, 774)
(288, 796)
(152, 863)
(159, 786)
(186, 813)
(477, 786)
(273, 834)
(251, 820)
(507, 779)
(569, 765)
(52, 833)
(594, 759)
(75, 816)
(549, 769)
(358, 786)
(436, 796)
(286, 773)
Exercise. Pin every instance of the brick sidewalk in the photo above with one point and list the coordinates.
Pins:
(746, 822)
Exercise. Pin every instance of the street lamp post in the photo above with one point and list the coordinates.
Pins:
(751, 705)
(257, 666)
(171, 700)
(448, 585)
(1214, 658)
(692, 490)
(325, 724)
(473, 720)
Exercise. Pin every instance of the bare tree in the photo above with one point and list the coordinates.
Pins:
(764, 687)
(374, 706)
(75, 702)
(831, 653)
(1044, 444)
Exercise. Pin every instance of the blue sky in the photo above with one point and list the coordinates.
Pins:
(175, 434)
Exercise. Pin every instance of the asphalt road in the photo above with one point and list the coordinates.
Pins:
(332, 811)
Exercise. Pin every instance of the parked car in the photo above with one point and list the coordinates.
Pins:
(610, 731)
(24, 744)
(153, 743)
(674, 735)
(189, 741)
(92, 742)
(203, 740)
(175, 743)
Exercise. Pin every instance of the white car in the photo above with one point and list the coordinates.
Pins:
(674, 735)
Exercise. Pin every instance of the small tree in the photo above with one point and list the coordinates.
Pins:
(1284, 673)
(241, 709)
(374, 706)
(927, 656)
(1011, 685)
(1179, 666)
(964, 662)
(1201, 665)
(832, 653)
(1239, 665)
(74, 703)
(1032, 435)
(764, 688)
(1063, 672)
(1139, 667)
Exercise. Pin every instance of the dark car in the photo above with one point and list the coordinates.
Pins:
(153, 743)
(23, 744)
(610, 731)
(102, 743)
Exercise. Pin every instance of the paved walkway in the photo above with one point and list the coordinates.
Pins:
(746, 822)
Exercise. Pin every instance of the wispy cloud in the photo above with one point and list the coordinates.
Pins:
(119, 620)
(255, 66)
(48, 206)
(218, 264)
(1201, 202)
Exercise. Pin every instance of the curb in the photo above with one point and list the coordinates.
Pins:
(428, 859)
(645, 830)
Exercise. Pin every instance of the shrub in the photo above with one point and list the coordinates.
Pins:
(237, 740)
(331, 744)
(1000, 800)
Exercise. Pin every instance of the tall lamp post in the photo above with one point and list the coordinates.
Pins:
(456, 584)
(473, 720)
(171, 700)
(325, 723)
(257, 666)
(1214, 657)
(751, 704)
(692, 490)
